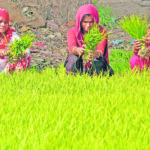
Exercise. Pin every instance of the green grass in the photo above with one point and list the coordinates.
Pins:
(52, 110)
(120, 60)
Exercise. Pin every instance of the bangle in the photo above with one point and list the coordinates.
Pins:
(74, 50)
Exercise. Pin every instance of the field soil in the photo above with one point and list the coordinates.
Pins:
(50, 46)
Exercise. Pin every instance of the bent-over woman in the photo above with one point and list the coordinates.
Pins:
(86, 16)
(8, 35)
(136, 61)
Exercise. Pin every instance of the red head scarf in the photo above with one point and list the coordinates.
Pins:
(4, 13)
(8, 34)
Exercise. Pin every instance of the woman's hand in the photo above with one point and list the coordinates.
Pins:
(3, 52)
(78, 50)
(15, 59)
(21, 56)
(89, 57)
(136, 46)
(98, 53)
(146, 41)
(94, 54)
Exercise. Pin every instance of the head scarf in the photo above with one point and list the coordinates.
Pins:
(4, 13)
(8, 33)
(83, 10)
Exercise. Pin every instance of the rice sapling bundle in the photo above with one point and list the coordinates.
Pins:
(18, 47)
(136, 27)
(92, 38)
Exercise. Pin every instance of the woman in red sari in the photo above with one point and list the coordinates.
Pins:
(8, 35)
(86, 16)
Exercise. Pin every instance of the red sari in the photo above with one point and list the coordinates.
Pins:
(5, 40)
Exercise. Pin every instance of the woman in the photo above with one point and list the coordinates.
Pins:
(86, 16)
(8, 35)
(136, 61)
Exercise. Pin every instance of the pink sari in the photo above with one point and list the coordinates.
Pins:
(136, 62)
(75, 37)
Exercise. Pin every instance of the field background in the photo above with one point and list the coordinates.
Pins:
(59, 16)
(48, 109)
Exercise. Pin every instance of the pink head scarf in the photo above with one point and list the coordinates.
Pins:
(4, 13)
(8, 33)
(83, 10)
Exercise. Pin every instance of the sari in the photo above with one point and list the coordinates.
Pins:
(6, 38)
(74, 63)
(136, 62)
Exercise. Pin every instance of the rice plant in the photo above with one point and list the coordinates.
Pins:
(18, 47)
(92, 38)
(52, 110)
(136, 27)
(119, 60)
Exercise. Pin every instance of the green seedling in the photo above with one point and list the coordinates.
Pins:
(52, 110)
(136, 27)
(92, 38)
(18, 47)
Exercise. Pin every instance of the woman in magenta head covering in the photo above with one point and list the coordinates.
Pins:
(8, 35)
(136, 62)
(86, 16)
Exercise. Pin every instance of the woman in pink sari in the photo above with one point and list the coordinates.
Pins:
(8, 35)
(136, 61)
(86, 16)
